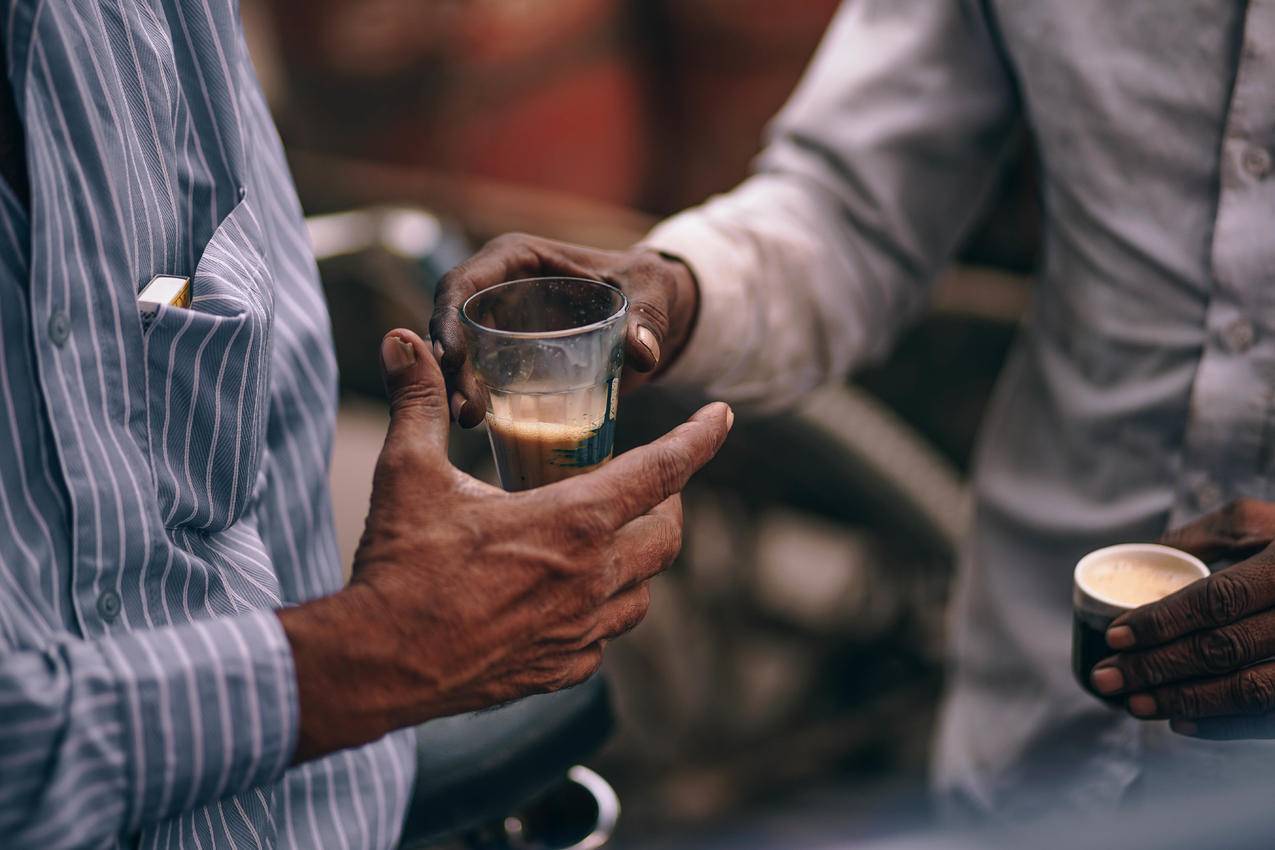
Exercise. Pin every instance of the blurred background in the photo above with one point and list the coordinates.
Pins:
(788, 675)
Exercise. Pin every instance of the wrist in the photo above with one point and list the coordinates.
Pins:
(347, 672)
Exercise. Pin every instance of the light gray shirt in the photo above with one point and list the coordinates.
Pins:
(1140, 391)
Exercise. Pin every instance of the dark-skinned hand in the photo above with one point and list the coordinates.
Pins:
(464, 596)
(1204, 657)
(663, 300)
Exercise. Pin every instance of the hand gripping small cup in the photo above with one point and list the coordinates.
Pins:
(548, 352)
(1108, 582)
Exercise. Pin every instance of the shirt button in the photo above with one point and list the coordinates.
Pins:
(108, 605)
(243, 192)
(1239, 336)
(1256, 161)
(59, 327)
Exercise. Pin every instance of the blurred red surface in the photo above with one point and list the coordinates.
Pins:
(651, 104)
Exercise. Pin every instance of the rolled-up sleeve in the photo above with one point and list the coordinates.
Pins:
(873, 171)
(98, 738)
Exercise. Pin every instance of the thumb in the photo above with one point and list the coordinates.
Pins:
(663, 301)
(417, 394)
(649, 284)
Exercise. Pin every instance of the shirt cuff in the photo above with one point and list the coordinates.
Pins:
(207, 709)
(724, 330)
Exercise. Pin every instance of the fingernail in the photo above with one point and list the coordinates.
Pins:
(1184, 727)
(438, 351)
(1121, 637)
(730, 418)
(1142, 705)
(397, 353)
(1107, 680)
(647, 340)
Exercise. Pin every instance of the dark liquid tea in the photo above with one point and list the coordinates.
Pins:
(532, 454)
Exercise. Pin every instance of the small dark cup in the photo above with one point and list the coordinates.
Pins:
(1092, 613)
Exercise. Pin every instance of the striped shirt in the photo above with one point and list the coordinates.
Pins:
(162, 477)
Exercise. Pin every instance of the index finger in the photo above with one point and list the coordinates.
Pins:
(504, 258)
(494, 263)
(638, 480)
(1218, 600)
(647, 545)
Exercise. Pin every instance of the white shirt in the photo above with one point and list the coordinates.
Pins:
(1139, 393)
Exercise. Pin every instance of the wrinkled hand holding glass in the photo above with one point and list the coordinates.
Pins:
(663, 302)
(1204, 658)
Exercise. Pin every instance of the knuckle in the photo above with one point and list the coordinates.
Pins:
(399, 458)
(516, 249)
(666, 546)
(1164, 621)
(416, 395)
(638, 608)
(563, 676)
(665, 470)
(1221, 651)
(1242, 514)
(577, 631)
(577, 667)
(1179, 702)
(1255, 691)
(591, 660)
(653, 312)
(512, 239)
(584, 580)
(445, 328)
(645, 263)
(446, 286)
(1226, 597)
(582, 525)
(1144, 669)
(673, 539)
(453, 288)
(455, 353)
(597, 589)
(630, 623)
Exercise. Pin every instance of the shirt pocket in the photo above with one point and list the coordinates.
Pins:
(208, 381)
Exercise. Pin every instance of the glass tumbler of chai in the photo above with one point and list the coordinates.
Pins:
(1108, 582)
(548, 352)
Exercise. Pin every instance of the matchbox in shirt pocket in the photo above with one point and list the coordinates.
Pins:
(208, 380)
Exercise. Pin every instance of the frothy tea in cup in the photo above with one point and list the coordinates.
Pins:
(1132, 582)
